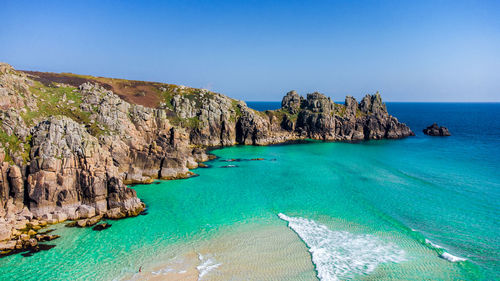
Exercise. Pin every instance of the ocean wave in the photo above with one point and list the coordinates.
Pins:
(450, 257)
(432, 244)
(445, 255)
(207, 264)
(341, 254)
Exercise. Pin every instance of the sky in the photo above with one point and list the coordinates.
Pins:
(434, 51)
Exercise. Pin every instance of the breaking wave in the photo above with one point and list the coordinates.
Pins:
(341, 254)
(445, 255)
(432, 244)
(452, 258)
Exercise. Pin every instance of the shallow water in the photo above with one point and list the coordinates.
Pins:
(377, 210)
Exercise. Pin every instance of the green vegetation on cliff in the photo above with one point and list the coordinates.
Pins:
(56, 99)
(12, 145)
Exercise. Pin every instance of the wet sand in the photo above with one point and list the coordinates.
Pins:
(251, 252)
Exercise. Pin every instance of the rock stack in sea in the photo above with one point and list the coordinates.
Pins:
(70, 144)
(435, 130)
(318, 117)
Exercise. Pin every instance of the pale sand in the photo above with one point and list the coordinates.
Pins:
(251, 252)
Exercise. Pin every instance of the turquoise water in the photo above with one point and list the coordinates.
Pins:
(373, 204)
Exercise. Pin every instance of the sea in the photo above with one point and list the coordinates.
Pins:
(419, 208)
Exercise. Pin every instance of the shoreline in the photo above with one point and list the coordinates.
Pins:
(274, 251)
(220, 257)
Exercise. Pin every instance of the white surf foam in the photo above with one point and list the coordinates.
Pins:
(207, 264)
(451, 258)
(162, 271)
(340, 254)
(445, 255)
(432, 244)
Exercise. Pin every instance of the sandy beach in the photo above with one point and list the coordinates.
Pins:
(269, 253)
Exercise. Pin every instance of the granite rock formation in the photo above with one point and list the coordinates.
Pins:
(435, 130)
(69, 144)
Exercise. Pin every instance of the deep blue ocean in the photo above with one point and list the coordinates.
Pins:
(468, 121)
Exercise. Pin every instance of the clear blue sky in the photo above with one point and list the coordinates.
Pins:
(258, 50)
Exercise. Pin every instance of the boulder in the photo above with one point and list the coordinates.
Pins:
(60, 217)
(81, 223)
(92, 221)
(8, 245)
(115, 213)
(33, 223)
(85, 211)
(46, 237)
(21, 224)
(31, 243)
(5, 231)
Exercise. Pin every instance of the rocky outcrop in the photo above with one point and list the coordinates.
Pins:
(68, 152)
(208, 116)
(292, 102)
(320, 118)
(72, 174)
(142, 142)
(435, 130)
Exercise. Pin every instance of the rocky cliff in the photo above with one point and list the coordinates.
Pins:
(70, 143)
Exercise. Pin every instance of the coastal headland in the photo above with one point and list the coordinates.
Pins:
(70, 144)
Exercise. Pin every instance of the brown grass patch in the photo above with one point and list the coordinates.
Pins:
(136, 92)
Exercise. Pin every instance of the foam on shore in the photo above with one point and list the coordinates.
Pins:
(207, 264)
(341, 254)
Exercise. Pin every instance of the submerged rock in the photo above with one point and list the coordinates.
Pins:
(231, 160)
(38, 248)
(101, 226)
(435, 130)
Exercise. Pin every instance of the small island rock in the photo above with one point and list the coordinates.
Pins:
(435, 130)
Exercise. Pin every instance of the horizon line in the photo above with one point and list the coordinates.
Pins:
(397, 101)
